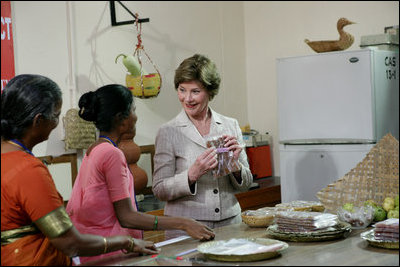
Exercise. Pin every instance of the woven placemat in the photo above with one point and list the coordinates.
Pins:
(375, 177)
(79, 134)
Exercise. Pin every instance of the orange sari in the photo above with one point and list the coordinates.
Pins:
(28, 193)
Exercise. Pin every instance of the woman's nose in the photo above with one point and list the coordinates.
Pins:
(188, 97)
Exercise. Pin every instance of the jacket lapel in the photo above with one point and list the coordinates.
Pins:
(188, 129)
(216, 128)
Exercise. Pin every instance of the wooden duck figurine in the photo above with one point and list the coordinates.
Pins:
(344, 42)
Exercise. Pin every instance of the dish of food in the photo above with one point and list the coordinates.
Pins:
(341, 230)
(259, 218)
(242, 249)
(370, 237)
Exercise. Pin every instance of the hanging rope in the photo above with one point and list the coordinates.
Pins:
(138, 50)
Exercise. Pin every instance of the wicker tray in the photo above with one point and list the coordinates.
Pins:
(259, 218)
(369, 236)
(375, 177)
(342, 230)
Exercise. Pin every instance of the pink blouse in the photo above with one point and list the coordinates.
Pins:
(103, 178)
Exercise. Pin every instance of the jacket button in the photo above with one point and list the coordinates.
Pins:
(215, 191)
(217, 210)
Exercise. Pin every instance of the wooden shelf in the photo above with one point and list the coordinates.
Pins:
(267, 195)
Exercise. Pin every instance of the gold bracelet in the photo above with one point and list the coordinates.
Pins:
(131, 246)
(105, 245)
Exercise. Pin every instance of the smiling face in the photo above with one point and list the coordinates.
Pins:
(194, 98)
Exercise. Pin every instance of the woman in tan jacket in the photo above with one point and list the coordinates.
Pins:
(182, 162)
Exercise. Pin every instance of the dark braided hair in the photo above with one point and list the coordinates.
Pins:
(24, 97)
(103, 105)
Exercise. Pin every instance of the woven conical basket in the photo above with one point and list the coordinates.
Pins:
(79, 134)
(375, 177)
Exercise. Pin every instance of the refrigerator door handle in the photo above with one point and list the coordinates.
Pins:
(353, 59)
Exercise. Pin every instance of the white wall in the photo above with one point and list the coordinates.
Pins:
(176, 31)
(243, 38)
(275, 29)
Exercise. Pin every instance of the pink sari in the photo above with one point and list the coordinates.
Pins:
(103, 178)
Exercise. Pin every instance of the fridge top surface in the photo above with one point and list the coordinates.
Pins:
(365, 50)
(331, 141)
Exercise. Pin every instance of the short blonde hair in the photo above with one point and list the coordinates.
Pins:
(199, 68)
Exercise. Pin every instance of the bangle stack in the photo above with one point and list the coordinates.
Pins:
(131, 245)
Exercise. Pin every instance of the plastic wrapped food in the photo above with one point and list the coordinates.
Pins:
(242, 246)
(301, 205)
(392, 223)
(226, 163)
(304, 221)
(387, 230)
(259, 218)
(359, 218)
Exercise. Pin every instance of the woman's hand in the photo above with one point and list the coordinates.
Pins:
(233, 145)
(205, 162)
(142, 246)
(198, 230)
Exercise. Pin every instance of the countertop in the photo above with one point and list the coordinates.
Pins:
(350, 251)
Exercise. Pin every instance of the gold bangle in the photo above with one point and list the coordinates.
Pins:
(105, 245)
(131, 246)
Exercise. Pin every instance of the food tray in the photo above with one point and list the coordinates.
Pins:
(259, 218)
(209, 246)
(342, 230)
(369, 236)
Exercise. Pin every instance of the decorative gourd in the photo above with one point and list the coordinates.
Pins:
(132, 154)
(131, 64)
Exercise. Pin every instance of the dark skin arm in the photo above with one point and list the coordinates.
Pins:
(72, 243)
(129, 218)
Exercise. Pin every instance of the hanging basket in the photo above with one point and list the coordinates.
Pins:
(145, 86)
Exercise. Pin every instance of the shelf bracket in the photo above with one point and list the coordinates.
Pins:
(119, 23)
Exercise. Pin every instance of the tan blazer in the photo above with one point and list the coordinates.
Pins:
(178, 144)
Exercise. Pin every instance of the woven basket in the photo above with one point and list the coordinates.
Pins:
(375, 177)
(79, 134)
(151, 85)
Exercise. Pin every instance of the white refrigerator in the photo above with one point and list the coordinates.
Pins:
(332, 108)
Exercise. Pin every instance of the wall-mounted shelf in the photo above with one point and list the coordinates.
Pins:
(114, 21)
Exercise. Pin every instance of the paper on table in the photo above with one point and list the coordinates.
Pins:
(186, 252)
(171, 241)
(241, 247)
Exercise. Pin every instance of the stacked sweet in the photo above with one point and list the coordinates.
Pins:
(387, 230)
(304, 221)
